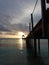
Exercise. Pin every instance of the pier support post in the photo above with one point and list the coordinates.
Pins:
(48, 48)
(35, 47)
(39, 47)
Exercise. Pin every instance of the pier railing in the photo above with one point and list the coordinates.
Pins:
(40, 30)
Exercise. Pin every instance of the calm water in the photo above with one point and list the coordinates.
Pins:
(13, 52)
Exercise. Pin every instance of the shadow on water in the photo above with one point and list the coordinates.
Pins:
(32, 58)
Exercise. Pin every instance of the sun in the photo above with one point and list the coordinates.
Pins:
(21, 34)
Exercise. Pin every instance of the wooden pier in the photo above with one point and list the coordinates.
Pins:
(40, 31)
(37, 31)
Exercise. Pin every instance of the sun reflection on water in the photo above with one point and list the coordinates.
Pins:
(21, 43)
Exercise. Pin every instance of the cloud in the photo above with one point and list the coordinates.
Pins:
(14, 12)
(17, 9)
(20, 27)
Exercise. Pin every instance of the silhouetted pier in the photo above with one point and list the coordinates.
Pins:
(40, 31)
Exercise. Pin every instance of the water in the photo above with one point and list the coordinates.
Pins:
(13, 52)
(44, 49)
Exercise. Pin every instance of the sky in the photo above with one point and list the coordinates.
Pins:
(17, 11)
(16, 14)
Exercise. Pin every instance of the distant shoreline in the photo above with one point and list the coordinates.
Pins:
(12, 38)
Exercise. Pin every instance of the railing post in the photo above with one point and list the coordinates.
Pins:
(32, 21)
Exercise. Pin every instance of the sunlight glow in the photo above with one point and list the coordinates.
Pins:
(20, 34)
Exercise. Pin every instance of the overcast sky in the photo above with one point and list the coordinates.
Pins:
(18, 11)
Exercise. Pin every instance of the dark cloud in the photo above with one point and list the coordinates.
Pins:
(14, 12)
(17, 9)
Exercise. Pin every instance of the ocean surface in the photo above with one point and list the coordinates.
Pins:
(14, 52)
